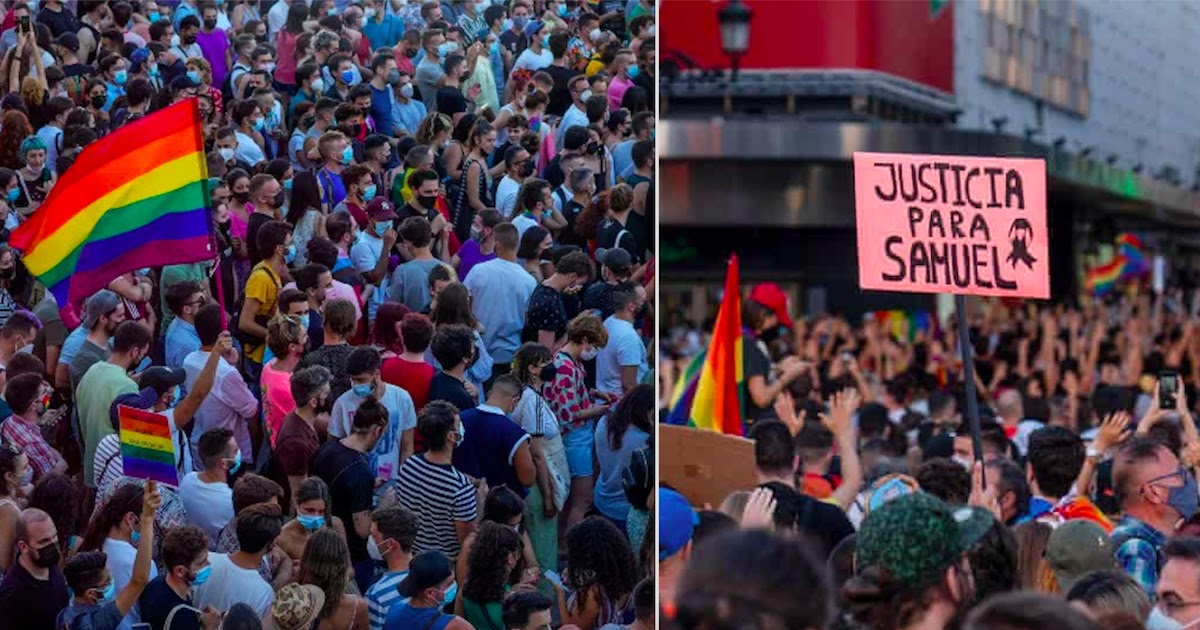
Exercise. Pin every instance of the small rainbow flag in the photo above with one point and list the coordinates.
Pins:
(1132, 251)
(1103, 279)
(712, 396)
(137, 198)
(147, 451)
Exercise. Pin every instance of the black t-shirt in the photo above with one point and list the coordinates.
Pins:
(450, 101)
(755, 363)
(447, 388)
(351, 484)
(560, 95)
(253, 225)
(571, 211)
(514, 42)
(29, 603)
(545, 311)
(554, 173)
(58, 22)
(158, 600)
(824, 524)
(612, 233)
(599, 297)
(334, 358)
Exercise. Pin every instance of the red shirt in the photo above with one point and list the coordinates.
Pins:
(414, 378)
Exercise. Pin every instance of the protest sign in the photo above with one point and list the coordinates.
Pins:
(147, 451)
(705, 466)
(952, 224)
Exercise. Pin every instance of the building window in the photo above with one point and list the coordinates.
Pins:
(1040, 48)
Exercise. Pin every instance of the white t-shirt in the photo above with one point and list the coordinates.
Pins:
(209, 505)
(120, 557)
(523, 222)
(533, 414)
(402, 416)
(506, 196)
(248, 150)
(364, 255)
(230, 584)
(532, 61)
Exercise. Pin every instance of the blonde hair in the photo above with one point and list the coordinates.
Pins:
(620, 198)
(283, 331)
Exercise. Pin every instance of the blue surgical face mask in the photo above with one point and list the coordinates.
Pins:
(446, 48)
(120, 77)
(363, 389)
(237, 462)
(259, 124)
(311, 523)
(175, 395)
(154, 17)
(347, 76)
(451, 593)
(348, 155)
(562, 10)
(305, 319)
(494, 48)
(633, 71)
(545, 41)
(202, 576)
(287, 184)
(1184, 499)
(153, 70)
(369, 192)
(194, 76)
(507, 24)
(135, 536)
(521, 21)
(110, 592)
(13, 195)
(290, 254)
(381, 227)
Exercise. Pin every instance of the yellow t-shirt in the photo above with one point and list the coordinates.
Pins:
(263, 285)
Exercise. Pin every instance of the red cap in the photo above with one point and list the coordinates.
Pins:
(771, 296)
(380, 209)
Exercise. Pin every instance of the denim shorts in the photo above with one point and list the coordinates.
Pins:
(579, 444)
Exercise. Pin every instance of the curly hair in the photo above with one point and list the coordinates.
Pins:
(945, 479)
(587, 328)
(325, 565)
(14, 128)
(599, 557)
(489, 562)
(527, 356)
(57, 495)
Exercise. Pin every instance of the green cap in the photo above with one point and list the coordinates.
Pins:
(916, 536)
(1076, 548)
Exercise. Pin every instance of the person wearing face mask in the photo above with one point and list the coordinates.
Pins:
(393, 532)
(341, 67)
(1179, 588)
(206, 494)
(185, 557)
(360, 190)
(1157, 495)
(26, 395)
(275, 245)
(429, 72)
(396, 445)
(103, 382)
(514, 39)
(122, 527)
(573, 404)
(379, 26)
(235, 577)
(622, 364)
(34, 590)
(499, 450)
(106, 588)
(429, 581)
(114, 71)
(372, 252)
(311, 508)
(16, 333)
(345, 467)
(407, 112)
(267, 196)
(481, 247)
(250, 123)
(537, 55)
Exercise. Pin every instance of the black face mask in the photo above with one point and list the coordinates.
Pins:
(548, 372)
(427, 201)
(279, 200)
(98, 101)
(8, 273)
(527, 168)
(210, 24)
(464, 76)
(242, 197)
(48, 556)
(769, 335)
(410, 53)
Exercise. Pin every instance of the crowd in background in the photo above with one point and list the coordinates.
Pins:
(1080, 509)
(412, 389)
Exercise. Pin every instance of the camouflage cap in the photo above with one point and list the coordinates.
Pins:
(916, 536)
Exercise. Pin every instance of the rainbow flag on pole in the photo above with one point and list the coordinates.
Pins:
(136, 198)
(710, 396)
(147, 451)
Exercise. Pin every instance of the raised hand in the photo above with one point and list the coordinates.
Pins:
(760, 510)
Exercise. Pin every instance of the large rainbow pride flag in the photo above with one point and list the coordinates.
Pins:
(710, 391)
(136, 198)
(147, 450)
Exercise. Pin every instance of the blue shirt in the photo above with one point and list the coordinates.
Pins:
(381, 108)
(385, 32)
(609, 496)
(625, 348)
(622, 156)
(500, 293)
(1139, 552)
(490, 448)
(89, 617)
(407, 116)
(405, 617)
(72, 344)
(182, 340)
(183, 10)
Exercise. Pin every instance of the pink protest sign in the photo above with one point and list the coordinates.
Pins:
(952, 224)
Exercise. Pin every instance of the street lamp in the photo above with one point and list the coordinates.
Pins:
(734, 18)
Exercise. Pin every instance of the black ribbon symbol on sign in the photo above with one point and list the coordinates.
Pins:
(1021, 233)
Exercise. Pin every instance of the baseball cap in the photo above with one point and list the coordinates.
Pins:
(533, 26)
(677, 522)
(70, 41)
(144, 399)
(1076, 548)
(102, 303)
(380, 209)
(296, 606)
(162, 379)
(614, 258)
(916, 536)
(139, 56)
(771, 296)
(427, 570)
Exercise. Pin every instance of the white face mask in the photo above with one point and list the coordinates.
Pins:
(373, 549)
(318, 85)
(961, 461)
(406, 90)
(226, 153)
(589, 354)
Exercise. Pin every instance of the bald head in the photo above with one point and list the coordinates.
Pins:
(1009, 405)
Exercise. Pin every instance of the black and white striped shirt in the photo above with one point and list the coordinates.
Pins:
(439, 495)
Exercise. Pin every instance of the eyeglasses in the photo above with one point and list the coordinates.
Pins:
(1180, 474)
(1171, 604)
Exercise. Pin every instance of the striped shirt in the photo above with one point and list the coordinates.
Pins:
(440, 496)
(382, 596)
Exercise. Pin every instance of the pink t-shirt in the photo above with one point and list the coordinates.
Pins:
(277, 397)
(616, 92)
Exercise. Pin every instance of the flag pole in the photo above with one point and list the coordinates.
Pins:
(967, 353)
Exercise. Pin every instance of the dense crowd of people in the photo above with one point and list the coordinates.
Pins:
(874, 510)
(412, 390)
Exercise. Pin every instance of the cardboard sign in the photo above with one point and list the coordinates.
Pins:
(705, 466)
(952, 224)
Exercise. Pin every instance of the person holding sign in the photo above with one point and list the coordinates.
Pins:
(92, 578)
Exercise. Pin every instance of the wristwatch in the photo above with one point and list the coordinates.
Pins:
(1093, 454)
